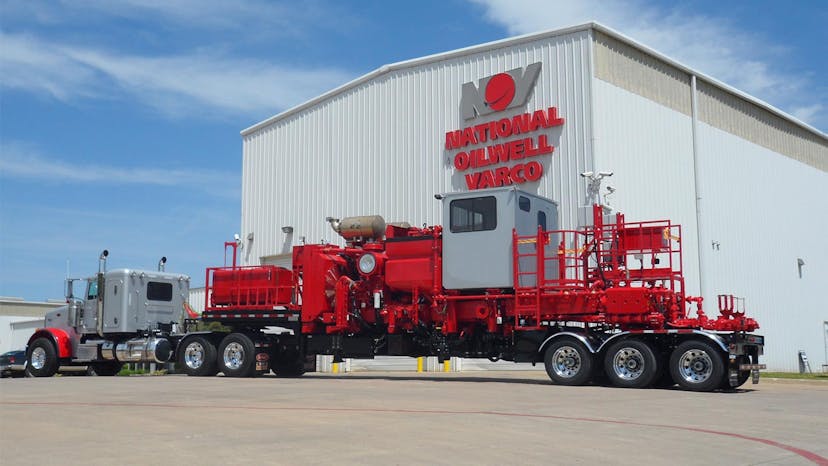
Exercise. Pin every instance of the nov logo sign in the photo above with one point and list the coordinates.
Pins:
(497, 93)
(503, 149)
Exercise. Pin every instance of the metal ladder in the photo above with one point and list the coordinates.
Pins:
(803, 363)
(527, 298)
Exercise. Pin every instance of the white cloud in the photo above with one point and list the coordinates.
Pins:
(256, 19)
(23, 161)
(28, 64)
(208, 14)
(807, 112)
(185, 85)
(707, 43)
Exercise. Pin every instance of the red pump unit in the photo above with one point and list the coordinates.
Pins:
(607, 298)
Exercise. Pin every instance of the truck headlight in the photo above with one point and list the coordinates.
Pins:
(367, 263)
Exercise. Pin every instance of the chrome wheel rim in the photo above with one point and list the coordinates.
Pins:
(566, 362)
(628, 363)
(194, 355)
(695, 366)
(38, 358)
(233, 356)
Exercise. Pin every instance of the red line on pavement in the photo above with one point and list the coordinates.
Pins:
(809, 455)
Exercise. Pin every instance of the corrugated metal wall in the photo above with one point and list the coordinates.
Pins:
(196, 299)
(629, 68)
(723, 110)
(650, 148)
(762, 180)
(765, 212)
(378, 148)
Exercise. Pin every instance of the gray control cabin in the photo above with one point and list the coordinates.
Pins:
(477, 236)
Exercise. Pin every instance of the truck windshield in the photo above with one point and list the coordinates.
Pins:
(92, 292)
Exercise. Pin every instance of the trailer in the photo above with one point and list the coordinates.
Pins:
(498, 281)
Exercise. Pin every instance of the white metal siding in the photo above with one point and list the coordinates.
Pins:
(765, 211)
(378, 148)
(725, 111)
(630, 68)
(196, 299)
(649, 147)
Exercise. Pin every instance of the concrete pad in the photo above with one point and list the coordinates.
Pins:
(403, 418)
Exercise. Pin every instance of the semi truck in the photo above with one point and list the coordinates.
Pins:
(498, 280)
(123, 316)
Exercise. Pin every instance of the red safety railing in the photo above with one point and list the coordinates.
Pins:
(553, 268)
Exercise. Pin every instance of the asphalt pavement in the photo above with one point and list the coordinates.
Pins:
(404, 418)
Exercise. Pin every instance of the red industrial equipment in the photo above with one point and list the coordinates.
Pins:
(605, 299)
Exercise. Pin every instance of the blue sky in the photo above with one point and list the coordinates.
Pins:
(119, 121)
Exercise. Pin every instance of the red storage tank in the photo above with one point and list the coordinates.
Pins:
(252, 286)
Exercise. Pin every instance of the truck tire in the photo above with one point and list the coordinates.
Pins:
(290, 365)
(631, 364)
(568, 362)
(237, 355)
(197, 356)
(104, 369)
(41, 358)
(697, 366)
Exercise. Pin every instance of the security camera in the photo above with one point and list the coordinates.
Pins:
(236, 237)
(605, 173)
(587, 174)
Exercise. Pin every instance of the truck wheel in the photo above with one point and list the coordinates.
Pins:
(288, 366)
(41, 358)
(665, 380)
(197, 357)
(568, 362)
(631, 364)
(698, 366)
(236, 355)
(104, 369)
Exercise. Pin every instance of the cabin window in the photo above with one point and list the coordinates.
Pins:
(542, 220)
(157, 291)
(475, 214)
(524, 204)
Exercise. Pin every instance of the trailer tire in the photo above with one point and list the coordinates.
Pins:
(197, 356)
(568, 362)
(41, 358)
(697, 366)
(631, 364)
(288, 367)
(104, 369)
(237, 356)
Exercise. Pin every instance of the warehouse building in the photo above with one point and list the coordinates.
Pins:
(20, 318)
(745, 180)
